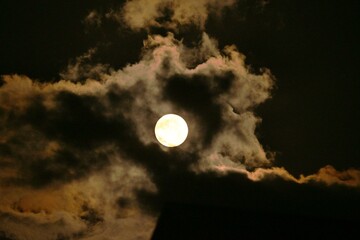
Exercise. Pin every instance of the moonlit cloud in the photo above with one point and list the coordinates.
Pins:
(67, 133)
(81, 69)
(93, 18)
(327, 175)
(144, 14)
(78, 157)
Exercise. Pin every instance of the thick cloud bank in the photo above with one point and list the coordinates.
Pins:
(57, 138)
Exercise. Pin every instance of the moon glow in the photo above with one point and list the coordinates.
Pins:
(171, 130)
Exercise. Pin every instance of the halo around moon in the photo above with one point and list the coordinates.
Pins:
(171, 130)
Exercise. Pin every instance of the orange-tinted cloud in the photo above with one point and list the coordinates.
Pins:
(327, 175)
(144, 14)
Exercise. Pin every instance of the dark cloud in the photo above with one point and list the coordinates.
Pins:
(77, 121)
(179, 221)
(78, 130)
(197, 96)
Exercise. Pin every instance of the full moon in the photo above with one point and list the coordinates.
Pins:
(171, 130)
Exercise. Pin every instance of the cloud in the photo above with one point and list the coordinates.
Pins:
(62, 135)
(330, 176)
(79, 159)
(81, 209)
(93, 18)
(144, 14)
(327, 175)
(82, 69)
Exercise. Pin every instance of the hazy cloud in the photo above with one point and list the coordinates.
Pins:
(94, 18)
(81, 68)
(81, 209)
(169, 14)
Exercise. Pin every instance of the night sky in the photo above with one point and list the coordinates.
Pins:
(269, 90)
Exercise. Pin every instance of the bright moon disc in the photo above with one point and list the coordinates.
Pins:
(171, 130)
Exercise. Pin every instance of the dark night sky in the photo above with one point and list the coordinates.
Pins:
(312, 119)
